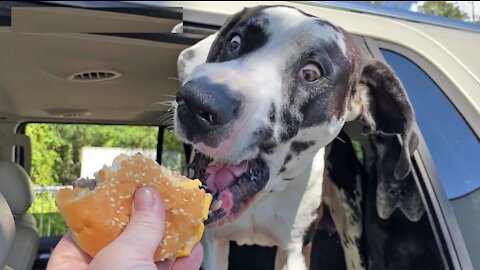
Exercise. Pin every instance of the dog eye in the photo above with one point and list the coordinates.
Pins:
(235, 43)
(310, 73)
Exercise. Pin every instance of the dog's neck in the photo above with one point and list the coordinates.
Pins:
(290, 160)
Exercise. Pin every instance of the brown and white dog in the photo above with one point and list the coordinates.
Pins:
(259, 101)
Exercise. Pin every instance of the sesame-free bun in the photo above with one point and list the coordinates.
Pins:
(96, 217)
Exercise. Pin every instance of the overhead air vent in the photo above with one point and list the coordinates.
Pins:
(68, 113)
(94, 76)
(74, 114)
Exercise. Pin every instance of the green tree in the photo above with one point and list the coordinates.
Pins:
(397, 4)
(56, 148)
(442, 8)
(56, 157)
(45, 158)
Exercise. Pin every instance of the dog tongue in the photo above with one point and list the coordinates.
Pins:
(222, 176)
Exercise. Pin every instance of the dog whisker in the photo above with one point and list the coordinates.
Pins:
(166, 102)
(174, 78)
(166, 118)
(167, 115)
(164, 121)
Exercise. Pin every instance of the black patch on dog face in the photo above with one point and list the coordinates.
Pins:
(291, 125)
(252, 35)
(189, 55)
(312, 104)
(327, 100)
(287, 158)
(263, 133)
(272, 114)
(268, 147)
(299, 147)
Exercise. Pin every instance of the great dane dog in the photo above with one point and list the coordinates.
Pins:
(396, 230)
(259, 101)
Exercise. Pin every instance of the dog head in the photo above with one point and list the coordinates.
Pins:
(393, 193)
(270, 88)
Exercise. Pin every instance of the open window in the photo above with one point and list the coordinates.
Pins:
(62, 153)
(447, 156)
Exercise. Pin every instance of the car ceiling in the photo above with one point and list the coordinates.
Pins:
(43, 46)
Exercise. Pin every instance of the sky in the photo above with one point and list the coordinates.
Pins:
(465, 6)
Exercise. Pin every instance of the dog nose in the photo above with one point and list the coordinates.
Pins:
(204, 106)
(397, 192)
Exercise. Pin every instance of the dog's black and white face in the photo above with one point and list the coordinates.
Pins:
(276, 86)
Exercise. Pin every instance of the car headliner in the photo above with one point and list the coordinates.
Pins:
(44, 46)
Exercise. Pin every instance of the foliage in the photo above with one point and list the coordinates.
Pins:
(438, 8)
(393, 3)
(442, 8)
(50, 224)
(358, 148)
(45, 157)
(56, 150)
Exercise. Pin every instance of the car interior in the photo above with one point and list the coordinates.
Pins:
(67, 65)
(109, 66)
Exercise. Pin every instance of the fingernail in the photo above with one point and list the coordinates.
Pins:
(144, 198)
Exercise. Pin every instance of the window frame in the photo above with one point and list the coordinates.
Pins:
(447, 228)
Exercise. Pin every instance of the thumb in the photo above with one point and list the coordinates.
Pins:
(145, 230)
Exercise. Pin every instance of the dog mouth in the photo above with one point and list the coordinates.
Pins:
(233, 187)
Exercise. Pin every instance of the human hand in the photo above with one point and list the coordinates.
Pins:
(135, 246)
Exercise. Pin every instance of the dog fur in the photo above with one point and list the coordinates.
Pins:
(282, 122)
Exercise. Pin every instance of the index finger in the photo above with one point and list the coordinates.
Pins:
(68, 255)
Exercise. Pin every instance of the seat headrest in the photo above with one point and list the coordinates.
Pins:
(16, 187)
(7, 231)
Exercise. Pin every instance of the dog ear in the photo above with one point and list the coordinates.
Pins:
(387, 110)
(403, 165)
(193, 56)
(392, 194)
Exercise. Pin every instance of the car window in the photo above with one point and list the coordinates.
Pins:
(62, 153)
(173, 152)
(454, 147)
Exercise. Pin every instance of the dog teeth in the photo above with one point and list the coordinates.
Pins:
(216, 205)
(205, 187)
(214, 216)
(209, 220)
